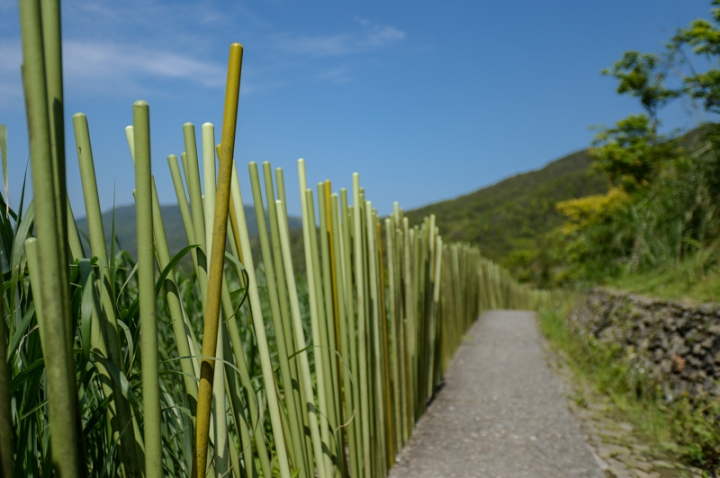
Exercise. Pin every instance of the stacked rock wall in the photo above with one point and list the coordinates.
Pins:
(678, 344)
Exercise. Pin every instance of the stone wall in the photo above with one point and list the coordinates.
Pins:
(678, 344)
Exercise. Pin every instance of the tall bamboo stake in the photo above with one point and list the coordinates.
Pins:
(146, 291)
(48, 185)
(212, 308)
(300, 341)
(294, 432)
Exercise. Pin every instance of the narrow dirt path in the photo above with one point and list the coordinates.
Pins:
(501, 413)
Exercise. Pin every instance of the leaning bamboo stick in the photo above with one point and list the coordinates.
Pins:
(212, 308)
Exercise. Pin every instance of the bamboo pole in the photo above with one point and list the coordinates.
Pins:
(146, 291)
(294, 436)
(212, 308)
(283, 296)
(300, 339)
(66, 443)
(259, 326)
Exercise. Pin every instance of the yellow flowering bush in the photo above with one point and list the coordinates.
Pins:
(586, 211)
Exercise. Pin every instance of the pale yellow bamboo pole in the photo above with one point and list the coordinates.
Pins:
(212, 308)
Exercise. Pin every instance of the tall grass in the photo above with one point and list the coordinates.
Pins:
(239, 367)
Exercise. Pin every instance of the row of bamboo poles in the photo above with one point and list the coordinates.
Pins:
(339, 388)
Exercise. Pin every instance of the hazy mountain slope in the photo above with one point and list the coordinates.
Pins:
(126, 231)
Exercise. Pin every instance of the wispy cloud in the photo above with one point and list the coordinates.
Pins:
(103, 53)
(372, 36)
(335, 75)
(111, 63)
(112, 67)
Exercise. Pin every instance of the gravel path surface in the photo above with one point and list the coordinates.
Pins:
(501, 413)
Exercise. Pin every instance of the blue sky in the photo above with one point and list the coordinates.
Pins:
(427, 100)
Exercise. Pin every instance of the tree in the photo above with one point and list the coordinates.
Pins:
(703, 36)
(631, 152)
(643, 75)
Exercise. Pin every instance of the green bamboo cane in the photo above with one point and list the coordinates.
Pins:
(390, 418)
(315, 310)
(263, 349)
(409, 326)
(329, 348)
(361, 320)
(180, 325)
(184, 337)
(433, 315)
(192, 176)
(185, 213)
(300, 390)
(68, 455)
(241, 420)
(255, 411)
(334, 331)
(107, 320)
(294, 437)
(347, 227)
(76, 248)
(298, 398)
(323, 374)
(420, 285)
(400, 318)
(220, 432)
(186, 216)
(52, 54)
(146, 291)
(300, 337)
(377, 361)
(395, 357)
(350, 420)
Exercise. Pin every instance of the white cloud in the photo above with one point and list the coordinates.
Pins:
(112, 63)
(371, 37)
(112, 68)
(336, 75)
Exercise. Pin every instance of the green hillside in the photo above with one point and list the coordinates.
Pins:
(125, 229)
(512, 216)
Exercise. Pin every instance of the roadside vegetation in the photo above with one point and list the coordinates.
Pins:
(678, 430)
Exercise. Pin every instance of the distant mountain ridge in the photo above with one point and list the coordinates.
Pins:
(515, 213)
(126, 231)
